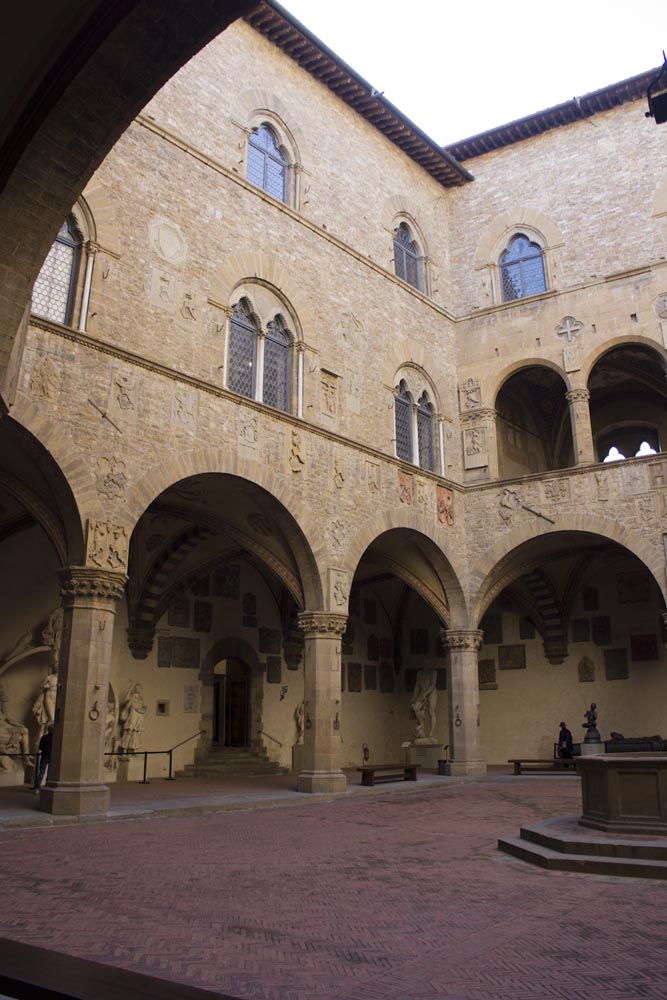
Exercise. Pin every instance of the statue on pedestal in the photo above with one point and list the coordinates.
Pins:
(298, 718)
(132, 714)
(44, 708)
(591, 716)
(424, 700)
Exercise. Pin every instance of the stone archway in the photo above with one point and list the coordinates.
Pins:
(231, 703)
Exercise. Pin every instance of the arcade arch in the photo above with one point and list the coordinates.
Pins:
(533, 428)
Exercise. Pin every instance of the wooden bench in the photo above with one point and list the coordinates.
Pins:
(545, 765)
(388, 772)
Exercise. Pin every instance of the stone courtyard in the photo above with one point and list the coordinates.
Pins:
(394, 893)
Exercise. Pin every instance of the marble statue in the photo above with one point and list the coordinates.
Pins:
(424, 700)
(44, 708)
(132, 712)
(14, 738)
(298, 718)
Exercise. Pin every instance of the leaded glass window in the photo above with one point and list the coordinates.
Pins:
(522, 269)
(403, 419)
(406, 257)
(275, 390)
(267, 165)
(425, 433)
(53, 291)
(242, 353)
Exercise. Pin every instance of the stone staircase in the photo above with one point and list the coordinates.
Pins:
(560, 844)
(239, 761)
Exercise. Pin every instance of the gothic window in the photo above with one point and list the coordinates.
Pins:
(53, 292)
(276, 365)
(522, 269)
(403, 419)
(241, 361)
(406, 257)
(267, 164)
(425, 433)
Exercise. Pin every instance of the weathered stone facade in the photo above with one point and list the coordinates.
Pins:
(284, 555)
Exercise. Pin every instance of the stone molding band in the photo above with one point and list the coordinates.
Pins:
(321, 623)
(78, 582)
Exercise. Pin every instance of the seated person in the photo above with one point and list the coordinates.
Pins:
(565, 748)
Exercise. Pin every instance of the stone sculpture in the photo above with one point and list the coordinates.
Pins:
(44, 708)
(424, 700)
(14, 739)
(132, 712)
(298, 718)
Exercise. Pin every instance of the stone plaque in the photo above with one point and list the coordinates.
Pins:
(475, 448)
(191, 699)
(269, 640)
(273, 670)
(581, 630)
(486, 672)
(370, 677)
(590, 599)
(644, 647)
(179, 613)
(586, 669)
(386, 679)
(370, 613)
(633, 588)
(511, 657)
(526, 629)
(354, 678)
(164, 651)
(227, 581)
(372, 648)
(185, 653)
(419, 641)
(492, 627)
(203, 616)
(601, 630)
(616, 664)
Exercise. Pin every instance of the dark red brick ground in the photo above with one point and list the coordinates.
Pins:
(400, 895)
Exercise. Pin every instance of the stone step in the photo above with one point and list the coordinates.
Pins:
(594, 864)
(558, 835)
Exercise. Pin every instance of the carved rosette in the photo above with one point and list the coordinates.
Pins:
(321, 624)
(82, 582)
(467, 639)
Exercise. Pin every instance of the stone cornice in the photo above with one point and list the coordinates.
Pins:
(323, 624)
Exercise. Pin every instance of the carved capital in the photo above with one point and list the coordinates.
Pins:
(577, 396)
(321, 623)
(81, 582)
(479, 416)
(470, 639)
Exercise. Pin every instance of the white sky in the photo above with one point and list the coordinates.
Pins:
(458, 67)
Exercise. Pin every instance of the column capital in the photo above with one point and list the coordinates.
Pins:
(321, 623)
(78, 582)
(470, 639)
(475, 416)
(577, 395)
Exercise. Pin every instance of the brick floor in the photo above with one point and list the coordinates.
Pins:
(391, 895)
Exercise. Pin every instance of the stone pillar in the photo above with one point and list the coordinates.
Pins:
(321, 753)
(76, 785)
(580, 421)
(463, 690)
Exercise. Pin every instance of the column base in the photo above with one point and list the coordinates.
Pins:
(70, 799)
(459, 768)
(321, 781)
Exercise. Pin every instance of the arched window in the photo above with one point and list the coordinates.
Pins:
(267, 164)
(53, 292)
(522, 269)
(275, 389)
(403, 421)
(406, 257)
(242, 354)
(425, 440)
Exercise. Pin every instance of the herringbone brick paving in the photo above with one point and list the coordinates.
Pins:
(383, 897)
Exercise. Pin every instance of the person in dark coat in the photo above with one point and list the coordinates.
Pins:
(565, 748)
(44, 756)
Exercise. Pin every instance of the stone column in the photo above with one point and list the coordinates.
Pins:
(580, 421)
(463, 690)
(321, 753)
(76, 785)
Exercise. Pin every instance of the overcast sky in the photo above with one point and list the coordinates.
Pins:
(458, 68)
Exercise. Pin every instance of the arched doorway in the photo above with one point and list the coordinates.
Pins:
(231, 703)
